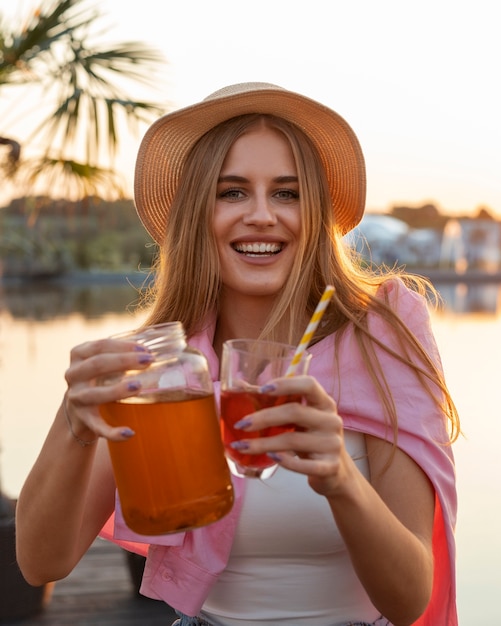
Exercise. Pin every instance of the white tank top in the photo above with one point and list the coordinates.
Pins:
(288, 563)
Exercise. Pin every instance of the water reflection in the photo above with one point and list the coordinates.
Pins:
(462, 298)
(48, 301)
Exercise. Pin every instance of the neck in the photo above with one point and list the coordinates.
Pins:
(241, 318)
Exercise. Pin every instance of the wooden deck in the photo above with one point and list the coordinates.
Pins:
(100, 591)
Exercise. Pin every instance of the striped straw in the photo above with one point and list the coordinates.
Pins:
(310, 329)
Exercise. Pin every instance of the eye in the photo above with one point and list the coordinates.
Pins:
(287, 194)
(231, 194)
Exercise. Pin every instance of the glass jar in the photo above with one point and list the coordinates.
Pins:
(172, 474)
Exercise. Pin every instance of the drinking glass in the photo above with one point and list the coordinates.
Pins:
(246, 366)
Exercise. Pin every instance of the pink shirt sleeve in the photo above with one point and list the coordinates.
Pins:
(422, 430)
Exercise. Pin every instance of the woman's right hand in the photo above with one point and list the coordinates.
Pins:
(89, 362)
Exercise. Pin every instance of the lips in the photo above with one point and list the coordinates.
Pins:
(258, 248)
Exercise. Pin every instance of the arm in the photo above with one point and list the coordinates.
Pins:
(387, 527)
(386, 523)
(69, 493)
(65, 501)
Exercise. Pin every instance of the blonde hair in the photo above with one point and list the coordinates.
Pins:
(187, 278)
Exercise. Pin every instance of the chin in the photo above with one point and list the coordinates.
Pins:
(254, 290)
(261, 291)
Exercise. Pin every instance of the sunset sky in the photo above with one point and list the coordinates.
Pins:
(418, 82)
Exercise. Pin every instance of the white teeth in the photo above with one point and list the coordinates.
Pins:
(258, 248)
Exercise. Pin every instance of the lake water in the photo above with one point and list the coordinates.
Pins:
(38, 326)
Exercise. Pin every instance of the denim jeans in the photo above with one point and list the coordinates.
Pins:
(185, 620)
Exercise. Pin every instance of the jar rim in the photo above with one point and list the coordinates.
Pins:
(155, 336)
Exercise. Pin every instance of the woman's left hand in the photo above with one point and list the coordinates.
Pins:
(316, 446)
(389, 517)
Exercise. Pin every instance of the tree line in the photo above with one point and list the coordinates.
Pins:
(41, 235)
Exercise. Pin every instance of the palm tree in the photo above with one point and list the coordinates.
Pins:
(52, 51)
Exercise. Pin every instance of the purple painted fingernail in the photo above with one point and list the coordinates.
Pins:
(127, 432)
(139, 348)
(273, 455)
(146, 358)
(133, 385)
(267, 388)
(239, 445)
(243, 423)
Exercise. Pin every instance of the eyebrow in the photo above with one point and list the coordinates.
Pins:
(233, 178)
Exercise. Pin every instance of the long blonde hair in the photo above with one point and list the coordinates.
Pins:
(187, 282)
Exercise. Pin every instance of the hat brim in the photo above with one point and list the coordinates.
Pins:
(168, 141)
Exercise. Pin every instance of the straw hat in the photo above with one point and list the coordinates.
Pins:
(168, 141)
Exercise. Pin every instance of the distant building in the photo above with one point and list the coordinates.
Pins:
(461, 245)
(383, 239)
(379, 238)
(482, 244)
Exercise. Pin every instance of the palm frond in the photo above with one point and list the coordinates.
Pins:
(73, 179)
(46, 26)
(88, 83)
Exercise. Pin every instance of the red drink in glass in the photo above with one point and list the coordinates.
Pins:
(235, 405)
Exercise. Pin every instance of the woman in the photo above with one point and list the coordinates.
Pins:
(249, 194)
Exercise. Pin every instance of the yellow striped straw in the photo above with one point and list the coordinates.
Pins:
(310, 329)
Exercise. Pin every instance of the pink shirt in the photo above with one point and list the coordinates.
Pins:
(181, 568)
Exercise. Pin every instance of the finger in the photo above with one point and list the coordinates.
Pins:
(306, 386)
(91, 396)
(302, 416)
(113, 433)
(82, 410)
(293, 461)
(318, 469)
(103, 364)
(101, 346)
(100, 428)
(303, 444)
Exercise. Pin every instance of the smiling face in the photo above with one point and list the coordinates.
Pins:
(257, 217)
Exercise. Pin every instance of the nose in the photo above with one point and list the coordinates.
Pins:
(260, 212)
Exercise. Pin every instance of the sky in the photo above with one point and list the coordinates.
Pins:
(417, 81)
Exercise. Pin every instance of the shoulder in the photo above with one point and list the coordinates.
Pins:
(400, 296)
(410, 306)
